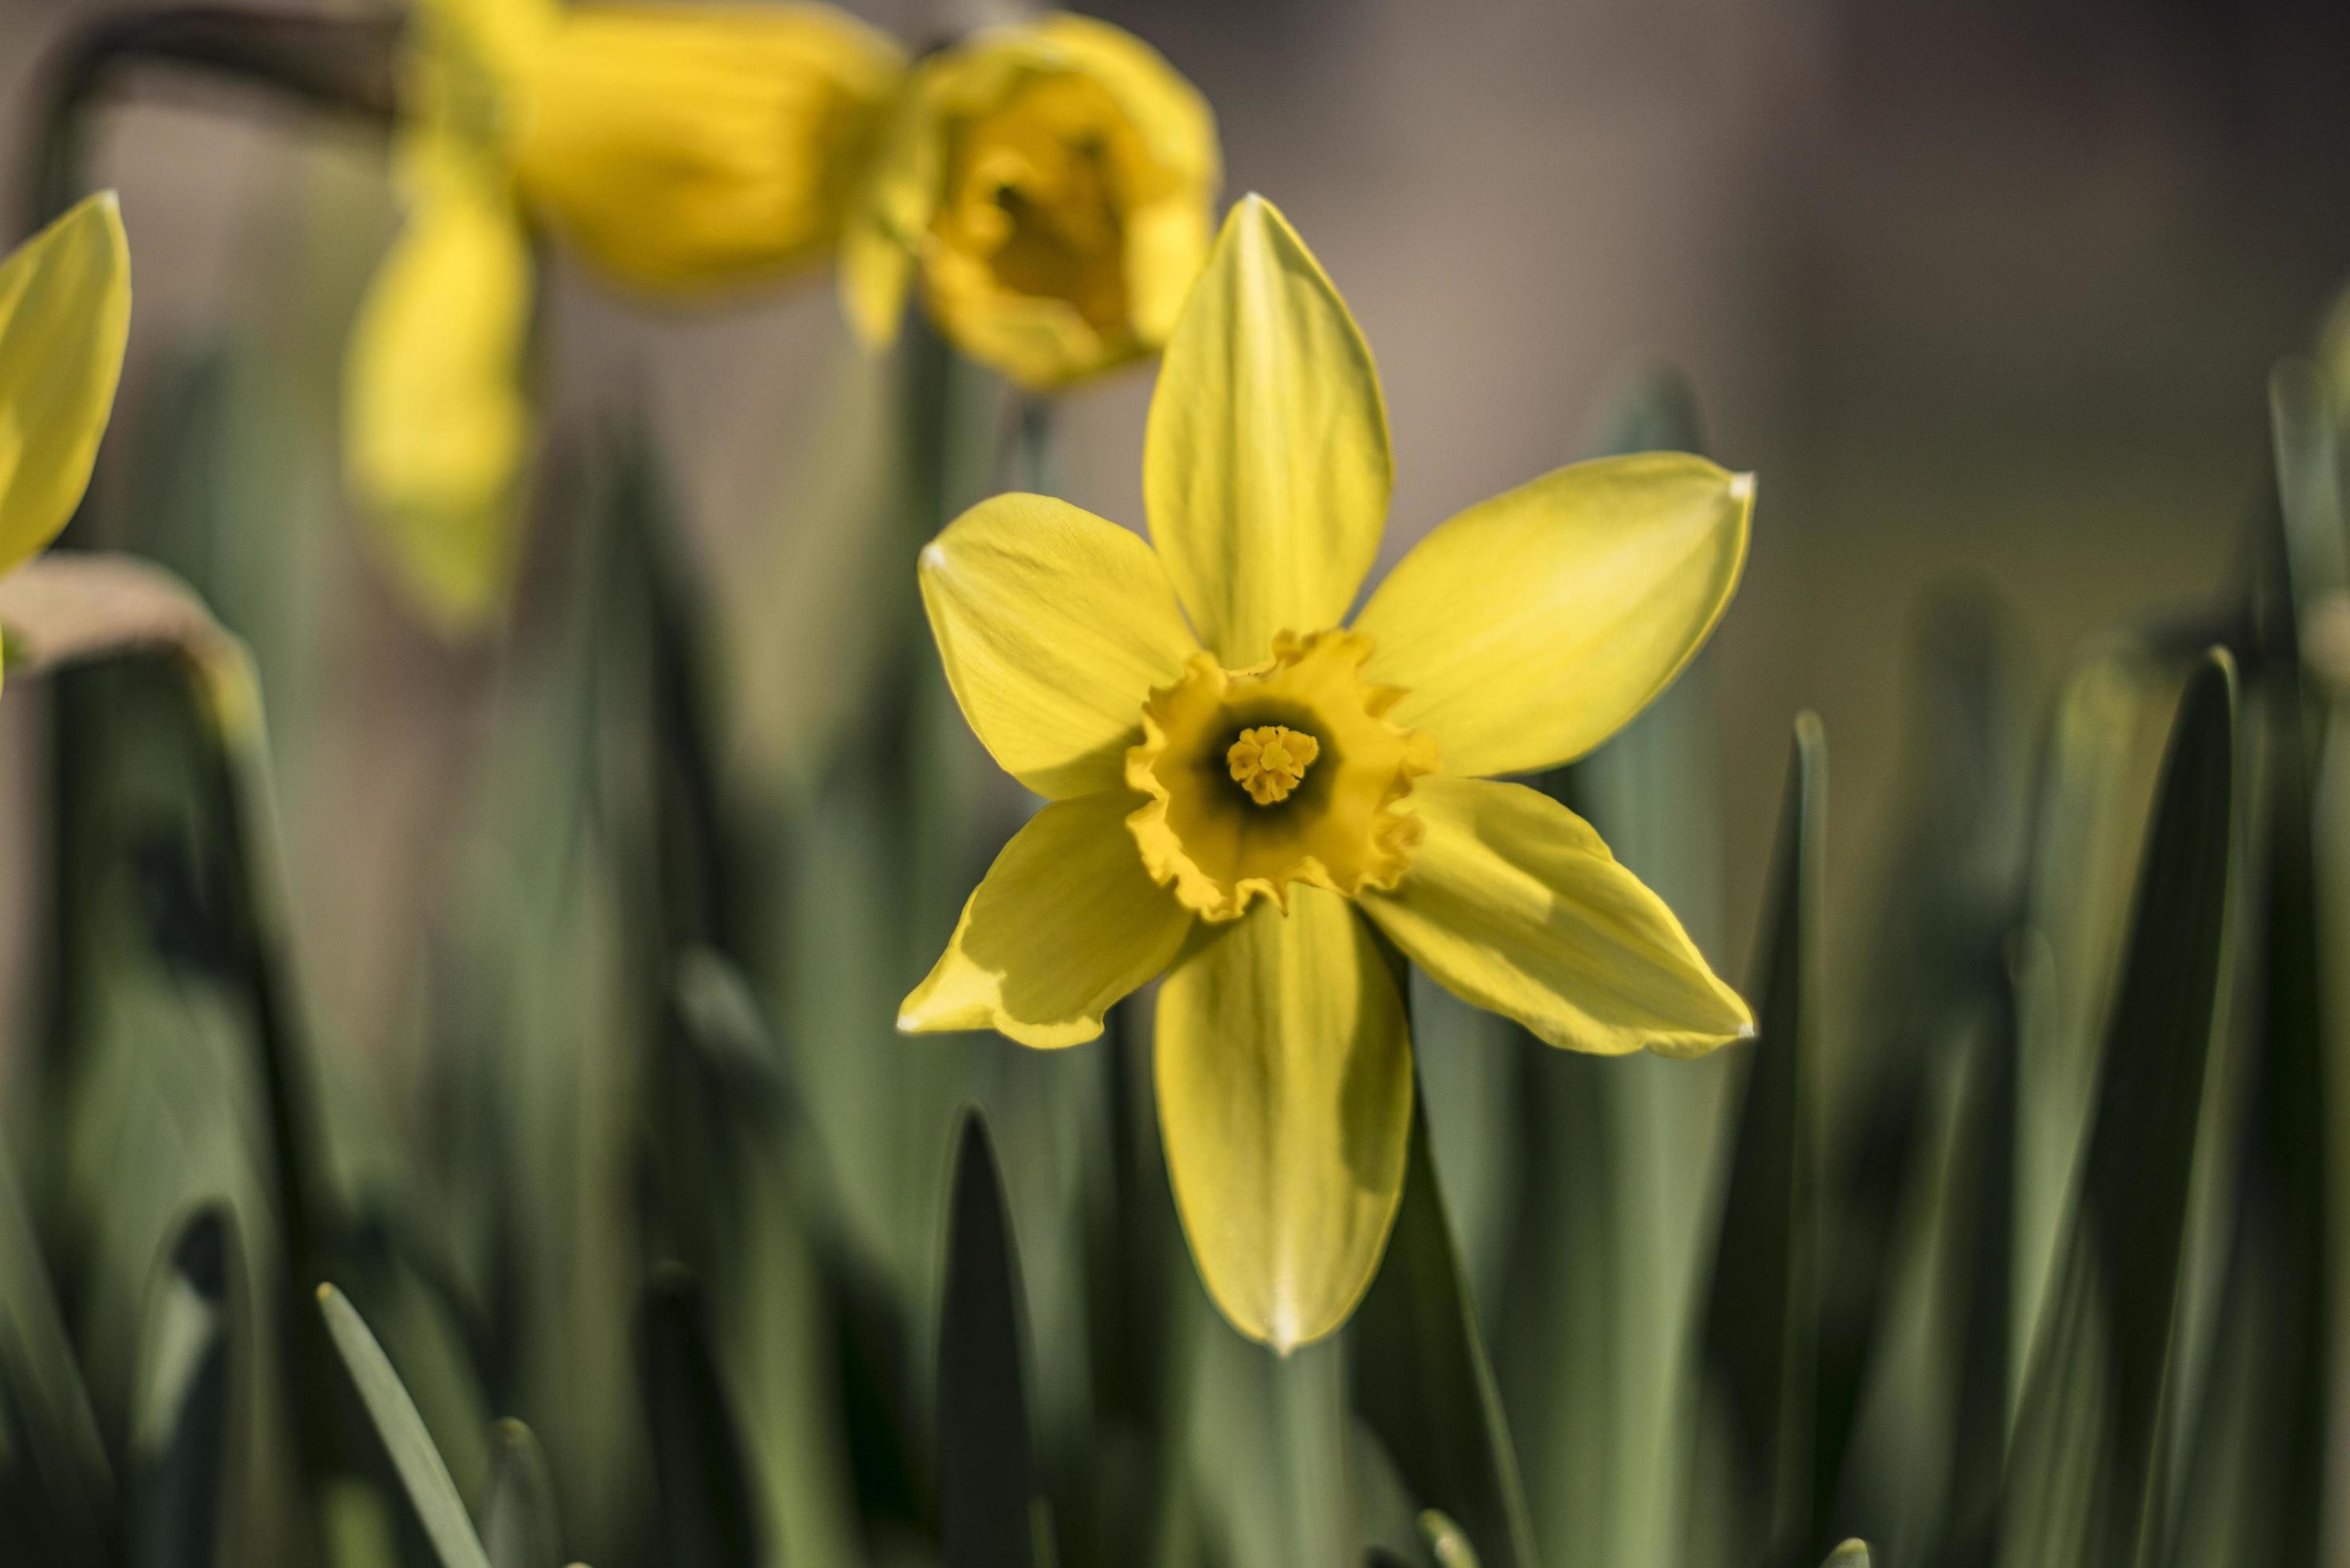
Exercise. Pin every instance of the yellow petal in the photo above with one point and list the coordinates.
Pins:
(875, 272)
(435, 422)
(1053, 626)
(65, 313)
(1066, 923)
(1532, 626)
(683, 149)
(1265, 466)
(1166, 245)
(1284, 1099)
(1512, 903)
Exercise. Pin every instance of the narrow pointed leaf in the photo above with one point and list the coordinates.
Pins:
(516, 1523)
(1975, 1263)
(1446, 1543)
(1422, 1382)
(1935, 952)
(423, 1477)
(2259, 1447)
(987, 1480)
(706, 1513)
(2086, 1474)
(1760, 1325)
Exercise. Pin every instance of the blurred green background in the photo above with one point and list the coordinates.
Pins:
(1989, 301)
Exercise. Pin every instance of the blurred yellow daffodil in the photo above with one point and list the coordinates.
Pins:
(676, 150)
(1240, 792)
(1050, 183)
(64, 316)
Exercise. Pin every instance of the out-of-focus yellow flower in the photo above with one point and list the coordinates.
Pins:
(1227, 806)
(64, 316)
(1050, 183)
(676, 151)
(686, 150)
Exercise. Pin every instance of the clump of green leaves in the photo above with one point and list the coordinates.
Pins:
(2006, 1241)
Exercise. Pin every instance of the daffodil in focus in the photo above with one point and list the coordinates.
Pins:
(677, 150)
(64, 316)
(1047, 187)
(1243, 791)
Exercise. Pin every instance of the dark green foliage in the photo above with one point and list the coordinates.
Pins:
(1422, 1382)
(516, 1519)
(988, 1495)
(1756, 1375)
(664, 1185)
(2086, 1484)
(703, 1499)
(405, 1445)
(183, 1438)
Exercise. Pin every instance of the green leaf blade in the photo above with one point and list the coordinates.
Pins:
(1422, 1382)
(423, 1476)
(987, 1480)
(2086, 1474)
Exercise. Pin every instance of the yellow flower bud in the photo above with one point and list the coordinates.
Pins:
(683, 149)
(1050, 185)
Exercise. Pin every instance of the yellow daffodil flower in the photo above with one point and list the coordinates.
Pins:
(64, 316)
(676, 150)
(1050, 183)
(1242, 792)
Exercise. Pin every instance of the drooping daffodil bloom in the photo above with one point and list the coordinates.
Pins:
(679, 152)
(65, 316)
(1246, 792)
(1048, 186)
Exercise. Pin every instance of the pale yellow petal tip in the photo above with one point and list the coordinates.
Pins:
(1742, 488)
(1286, 1330)
(1689, 1046)
(106, 202)
(327, 1293)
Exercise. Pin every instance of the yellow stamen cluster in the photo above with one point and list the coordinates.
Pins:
(1270, 761)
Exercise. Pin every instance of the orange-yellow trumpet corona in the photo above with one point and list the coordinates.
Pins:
(1048, 187)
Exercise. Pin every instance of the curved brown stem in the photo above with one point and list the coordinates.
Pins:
(344, 65)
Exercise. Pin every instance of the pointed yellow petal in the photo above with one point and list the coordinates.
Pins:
(1265, 466)
(1066, 923)
(64, 313)
(1513, 903)
(1532, 626)
(875, 272)
(1053, 626)
(1284, 1099)
(435, 422)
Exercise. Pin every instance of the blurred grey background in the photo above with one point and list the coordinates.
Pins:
(1984, 294)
